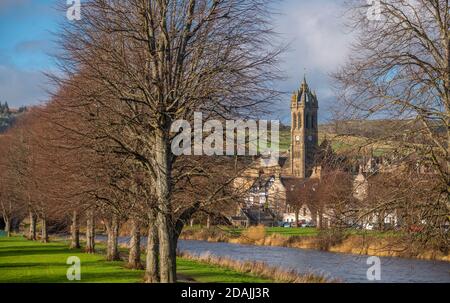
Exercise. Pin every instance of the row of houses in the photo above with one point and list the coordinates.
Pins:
(272, 199)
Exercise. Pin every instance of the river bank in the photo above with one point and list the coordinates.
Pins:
(334, 266)
(374, 244)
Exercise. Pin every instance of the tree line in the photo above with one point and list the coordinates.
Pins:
(100, 150)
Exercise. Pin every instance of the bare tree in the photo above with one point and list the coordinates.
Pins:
(154, 62)
(400, 70)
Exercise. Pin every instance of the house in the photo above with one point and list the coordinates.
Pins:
(255, 215)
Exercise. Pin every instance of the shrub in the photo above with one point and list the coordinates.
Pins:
(255, 233)
(330, 237)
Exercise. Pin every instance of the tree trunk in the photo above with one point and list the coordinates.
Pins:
(32, 234)
(7, 226)
(297, 213)
(44, 232)
(75, 229)
(319, 220)
(152, 262)
(134, 259)
(112, 228)
(173, 255)
(208, 221)
(167, 261)
(90, 232)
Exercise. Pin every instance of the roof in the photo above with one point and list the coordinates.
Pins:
(258, 214)
(304, 96)
(262, 182)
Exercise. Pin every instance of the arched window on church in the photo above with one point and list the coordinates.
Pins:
(299, 120)
(294, 120)
(308, 121)
(314, 121)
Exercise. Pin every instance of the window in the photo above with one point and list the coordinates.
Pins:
(294, 120)
(299, 120)
(262, 200)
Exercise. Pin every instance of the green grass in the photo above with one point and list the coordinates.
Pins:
(339, 144)
(304, 231)
(307, 231)
(23, 261)
(210, 273)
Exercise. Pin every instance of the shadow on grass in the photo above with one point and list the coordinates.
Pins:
(46, 264)
(105, 277)
(210, 277)
(35, 251)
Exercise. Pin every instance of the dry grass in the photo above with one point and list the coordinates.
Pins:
(205, 234)
(257, 269)
(255, 233)
(327, 240)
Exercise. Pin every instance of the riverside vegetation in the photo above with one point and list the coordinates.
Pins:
(389, 243)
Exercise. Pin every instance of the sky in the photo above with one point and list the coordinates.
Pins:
(314, 30)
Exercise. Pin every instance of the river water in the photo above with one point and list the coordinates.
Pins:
(344, 267)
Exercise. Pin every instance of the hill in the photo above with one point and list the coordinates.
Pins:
(347, 136)
(8, 116)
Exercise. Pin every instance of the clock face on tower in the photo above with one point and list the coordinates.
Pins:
(297, 138)
(310, 138)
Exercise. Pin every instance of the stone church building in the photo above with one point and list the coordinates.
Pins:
(267, 199)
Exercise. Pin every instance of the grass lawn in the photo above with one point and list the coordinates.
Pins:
(22, 260)
(304, 231)
(294, 231)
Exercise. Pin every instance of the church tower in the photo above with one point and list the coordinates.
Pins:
(304, 131)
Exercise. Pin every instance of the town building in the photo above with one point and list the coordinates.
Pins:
(267, 200)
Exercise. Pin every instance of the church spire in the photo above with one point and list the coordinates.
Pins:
(304, 86)
(304, 131)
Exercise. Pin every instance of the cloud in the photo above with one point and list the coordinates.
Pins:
(32, 46)
(19, 87)
(315, 30)
(319, 44)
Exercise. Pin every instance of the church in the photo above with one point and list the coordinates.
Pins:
(269, 190)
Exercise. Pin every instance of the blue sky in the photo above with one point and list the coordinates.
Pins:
(319, 44)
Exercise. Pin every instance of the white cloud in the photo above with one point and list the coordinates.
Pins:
(319, 43)
(20, 87)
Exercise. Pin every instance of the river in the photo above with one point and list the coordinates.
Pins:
(345, 267)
